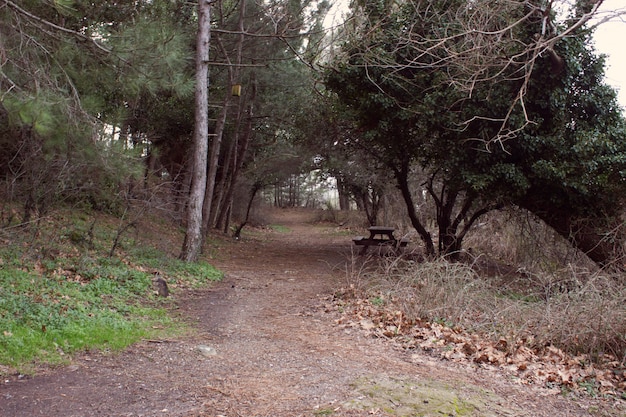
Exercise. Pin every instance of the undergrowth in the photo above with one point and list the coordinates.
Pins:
(579, 312)
(61, 292)
(519, 280)
(566, 330)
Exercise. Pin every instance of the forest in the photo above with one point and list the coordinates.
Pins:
(481, 130)
(476, 107)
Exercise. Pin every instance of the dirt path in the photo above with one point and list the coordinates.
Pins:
(267, 345)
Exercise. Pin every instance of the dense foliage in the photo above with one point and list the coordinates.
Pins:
(549, 140)
(95, 96)
(74, 75)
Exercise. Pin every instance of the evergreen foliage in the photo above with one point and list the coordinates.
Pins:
(549, 140)
(73, 72)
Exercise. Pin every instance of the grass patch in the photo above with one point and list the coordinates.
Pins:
(46, 317)
(406, 397)
(186, 274)
(324, 412)
(60, 292)
(279, 228)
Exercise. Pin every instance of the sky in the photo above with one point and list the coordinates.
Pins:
(611, 40)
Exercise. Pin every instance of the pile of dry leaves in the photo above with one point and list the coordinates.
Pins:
(549, 367)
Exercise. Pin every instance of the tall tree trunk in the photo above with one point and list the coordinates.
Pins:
(222, 202)
(230, 159)
(222, 185)
(193, 236)
(213, 162)
(233, 74)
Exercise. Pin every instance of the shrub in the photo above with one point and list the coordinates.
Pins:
(577, 311)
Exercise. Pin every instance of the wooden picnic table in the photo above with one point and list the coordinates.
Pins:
(380, 236)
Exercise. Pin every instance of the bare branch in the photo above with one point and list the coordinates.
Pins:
(477, 43)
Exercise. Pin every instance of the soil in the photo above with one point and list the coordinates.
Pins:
(265, 343)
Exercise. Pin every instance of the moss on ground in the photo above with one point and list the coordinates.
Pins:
(406, 397)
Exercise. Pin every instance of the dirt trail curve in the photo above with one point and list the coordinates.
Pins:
(265, 345)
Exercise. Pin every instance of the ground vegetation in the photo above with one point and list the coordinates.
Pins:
(297, 323)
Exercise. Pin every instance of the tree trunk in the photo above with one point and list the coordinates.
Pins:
(223, 199)
(449, 244)
(343, 192)
(219, 200)
(446, 201)
(402, 177)
(255, 189)
(359, 200)
(239, 155)
(600, 239)
(193, 236)
(375, 199)
(213, 162)
(233, 74)
(368, 200)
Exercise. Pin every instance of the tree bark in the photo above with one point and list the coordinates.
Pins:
(344, 194)
(255, 189)
(446, 201)
(402, 177)
(194, 236)
(238, 157)
(216, 144)
(213, 162)
(369, 199)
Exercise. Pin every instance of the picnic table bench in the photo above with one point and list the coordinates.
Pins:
(380, 236)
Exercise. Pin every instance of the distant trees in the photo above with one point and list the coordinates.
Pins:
(492, 107)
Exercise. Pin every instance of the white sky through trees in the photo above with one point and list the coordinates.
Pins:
(611, 40)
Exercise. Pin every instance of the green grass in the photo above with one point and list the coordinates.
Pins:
(324, 412)
(377, 301)
(194, 274)
(45, 318)
(60, 294)
(279, 228)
